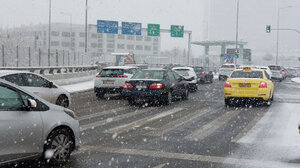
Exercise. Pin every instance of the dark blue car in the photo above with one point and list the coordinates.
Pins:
(155, 85)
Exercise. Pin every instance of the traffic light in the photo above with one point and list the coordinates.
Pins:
(268, 29)
(236, 53)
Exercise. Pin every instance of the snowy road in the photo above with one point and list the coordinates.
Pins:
(199, 132)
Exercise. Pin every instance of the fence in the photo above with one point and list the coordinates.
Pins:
(16, 56)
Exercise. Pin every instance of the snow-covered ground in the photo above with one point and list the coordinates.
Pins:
(83, 86)
(297, 80)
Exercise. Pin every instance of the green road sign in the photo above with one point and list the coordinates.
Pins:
(153, 30)
(177, 31)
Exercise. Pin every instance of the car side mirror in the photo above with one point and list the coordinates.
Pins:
(51, 85)
(31, 104)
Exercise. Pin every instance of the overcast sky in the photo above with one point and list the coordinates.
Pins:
(193, 14)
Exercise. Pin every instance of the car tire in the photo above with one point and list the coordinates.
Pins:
(100, 95)
(131, 101)
(228, 103)
(58, 146)
(269, 101)
(185, 95)
(169, 98)
(63, 101)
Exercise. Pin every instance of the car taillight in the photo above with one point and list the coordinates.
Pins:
(122, 76)
(156, 86)
(227, 84)
(98, 76)
(202, 73)
(263, 84)
(127, 86)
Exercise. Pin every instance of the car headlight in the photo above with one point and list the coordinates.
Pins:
(70, 113)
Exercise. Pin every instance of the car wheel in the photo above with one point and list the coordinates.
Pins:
(131, 101)
(185, 95)
(169, 98)
(227, 102)
(63, 101)
(59, 146)
(269, 101)
(100, 95)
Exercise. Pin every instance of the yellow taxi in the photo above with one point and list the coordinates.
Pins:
(248, 84)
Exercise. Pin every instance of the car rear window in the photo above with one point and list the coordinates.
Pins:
(227, 66)
(183, 72)
(275, 67)
(246, 74)
(111, 72)
(146, 74)
(199, 69)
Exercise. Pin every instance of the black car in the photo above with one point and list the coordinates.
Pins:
(203, 75)
(155, 85)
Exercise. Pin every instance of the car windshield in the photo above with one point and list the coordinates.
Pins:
(149, 74)
(247, 74)
(227, 66)
(111, 72)
(183, 72)
(199, 69)
(275, 68)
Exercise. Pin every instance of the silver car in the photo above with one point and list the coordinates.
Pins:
(111, 79)
(31, 127)
(39, 85)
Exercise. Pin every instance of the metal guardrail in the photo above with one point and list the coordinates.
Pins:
(54, 69)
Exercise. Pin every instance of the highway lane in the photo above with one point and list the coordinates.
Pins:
(199, 132)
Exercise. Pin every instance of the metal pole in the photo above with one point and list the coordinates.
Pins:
(39, 57)
(277, 38)
(29, 57)
(63, 57)
(189, 48)
(56, 57)
(3, 61)
(86, 17)
(74, 58)
(49, 33)
(237, 29)
(68, 58)
(17, 56)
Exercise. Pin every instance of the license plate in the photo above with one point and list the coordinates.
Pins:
(141, 86)
(108, 82)
(245, 85)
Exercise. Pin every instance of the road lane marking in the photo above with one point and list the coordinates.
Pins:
(190, 157)
(89, 116)
(212, 126)
(249, 126)
(113, 119)
(176, 123)
(143, 121)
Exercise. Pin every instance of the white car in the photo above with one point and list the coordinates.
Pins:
(38, 85)
(111, 79)
(188, 73)
(31, 127)
(225, 70)
(267, 69)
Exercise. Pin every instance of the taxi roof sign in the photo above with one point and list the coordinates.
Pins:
(247, 68)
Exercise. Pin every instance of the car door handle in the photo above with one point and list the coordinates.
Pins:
(36, 92)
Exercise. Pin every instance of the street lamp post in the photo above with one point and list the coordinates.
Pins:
(71, 31)
(237, 29)
(86, 17)
(49, 33)
(277, 41)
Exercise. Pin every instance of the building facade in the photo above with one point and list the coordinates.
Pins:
(67, 44)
